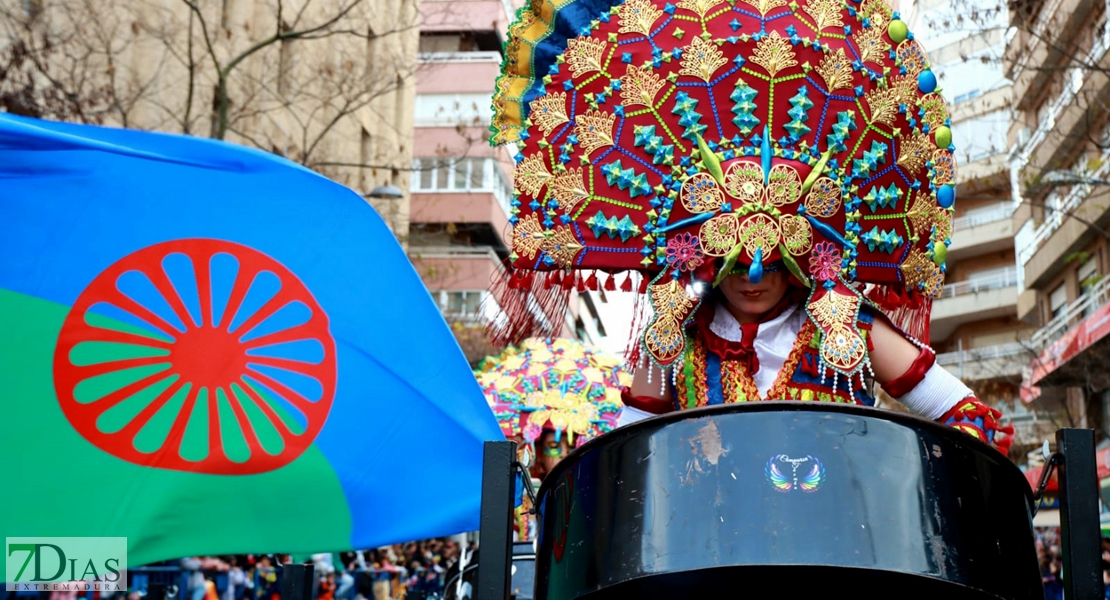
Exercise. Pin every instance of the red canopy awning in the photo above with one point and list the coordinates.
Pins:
(1077, 339)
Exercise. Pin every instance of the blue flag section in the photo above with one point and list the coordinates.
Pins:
(218, 351)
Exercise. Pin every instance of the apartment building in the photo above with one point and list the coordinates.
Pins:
(1059, 170)
(462, 188)
(328, 85)
(974, 327)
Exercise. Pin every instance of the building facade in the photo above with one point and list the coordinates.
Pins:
(1059, 169)
(975, 327)
(328, 85)
(462, 188)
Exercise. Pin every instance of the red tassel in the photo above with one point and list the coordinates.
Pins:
(554, 279)
(591, 283)
(610, 285)
(568, 281)
(581, 284)
(626, 286)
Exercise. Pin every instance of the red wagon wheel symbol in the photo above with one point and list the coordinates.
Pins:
(188, 380)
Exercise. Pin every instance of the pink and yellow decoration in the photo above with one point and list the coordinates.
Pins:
(557, 384)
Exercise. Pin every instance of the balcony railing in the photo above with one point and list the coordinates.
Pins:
(459, 57)
(982, 216)
(984, 353)
(1073, 313)
(463, 175)
(994, 281)
(1027, 245)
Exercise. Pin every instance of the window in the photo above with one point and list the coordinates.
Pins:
(1087, 275)
(461, 304)
(1058, 301)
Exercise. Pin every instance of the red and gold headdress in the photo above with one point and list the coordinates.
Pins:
(681, 139)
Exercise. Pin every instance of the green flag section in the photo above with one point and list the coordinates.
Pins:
(64, 486)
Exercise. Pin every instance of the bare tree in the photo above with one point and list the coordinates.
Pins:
(291, 77)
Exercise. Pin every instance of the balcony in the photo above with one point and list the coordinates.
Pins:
(461, 190)
(978, 298)
(982, 230)
(457, 72)
(988, 362)
(1074, 342)
(466, 15)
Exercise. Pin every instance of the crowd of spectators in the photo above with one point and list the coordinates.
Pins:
(412, 571)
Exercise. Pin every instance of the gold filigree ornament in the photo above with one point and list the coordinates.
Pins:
(876, 12)
(569, 189)
(719, 235)
(528, 236)
(700, 194)
(584, 55)
(562, 246)
(921, 273)
(823, 199)
(744, 181)
(702, 59)
(834, 308)
(884, 104)
(915, 151)
(836, 70)
(924, 214)
(699, 7)
(638, 16)
(944, 167)
(532, 175)
(784, 185)
(765, 6)
(594, 130)
(759, 231)
(774, 54)
(664, 338)
(549, 111)
(842, 347)
(825, 13)
(639, 86)
(872, 47)
(912, 58)
(797, 234)
(936, 110)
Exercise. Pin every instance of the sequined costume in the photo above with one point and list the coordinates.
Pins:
(684, 139)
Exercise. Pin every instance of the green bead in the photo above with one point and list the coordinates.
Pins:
(898, 31)
(940, 254)
(943, 137)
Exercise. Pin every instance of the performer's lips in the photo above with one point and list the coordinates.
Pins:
(752, 294)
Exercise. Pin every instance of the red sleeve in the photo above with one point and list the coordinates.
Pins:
(655, 406)
(901, 385)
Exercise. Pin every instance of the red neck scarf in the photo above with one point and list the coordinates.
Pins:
(744, 350)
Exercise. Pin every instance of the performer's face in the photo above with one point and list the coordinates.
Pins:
(550, 452)
(750, 301)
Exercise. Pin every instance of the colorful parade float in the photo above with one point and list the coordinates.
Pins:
(695, 140)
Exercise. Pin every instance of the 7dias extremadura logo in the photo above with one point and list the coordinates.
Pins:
(65, 564)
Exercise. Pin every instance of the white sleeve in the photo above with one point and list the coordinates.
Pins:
(631, 415)
(936, 394)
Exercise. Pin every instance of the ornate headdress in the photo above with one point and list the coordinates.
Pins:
(558, 384)
(684, 140)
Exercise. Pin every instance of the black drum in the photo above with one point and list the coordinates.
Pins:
(786, 500)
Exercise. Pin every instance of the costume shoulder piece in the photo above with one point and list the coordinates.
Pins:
(686, 139)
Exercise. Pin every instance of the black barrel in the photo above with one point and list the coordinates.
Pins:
(786, 500)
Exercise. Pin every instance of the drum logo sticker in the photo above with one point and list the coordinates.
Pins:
(805, 474)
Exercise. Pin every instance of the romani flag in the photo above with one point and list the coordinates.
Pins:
(211, 350)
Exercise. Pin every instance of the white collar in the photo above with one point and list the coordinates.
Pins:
(727, 327)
